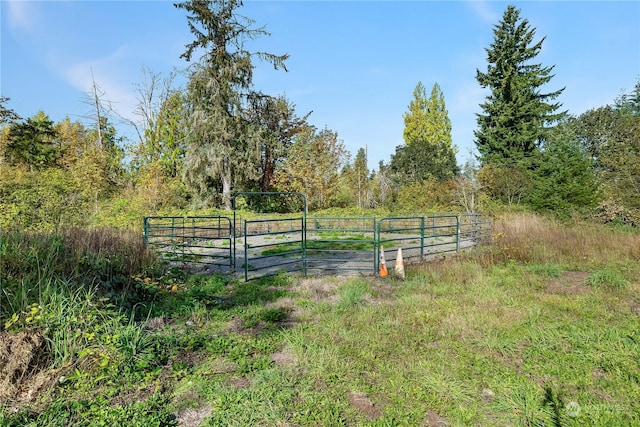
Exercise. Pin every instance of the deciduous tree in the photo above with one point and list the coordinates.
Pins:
(277, 123)
(160, 126)
(611, 136)
(468, 187)
(356, 177)
(509, 184)
(7, 115)
(428, 151)
(313, 166)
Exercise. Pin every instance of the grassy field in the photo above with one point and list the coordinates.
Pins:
(540, 329)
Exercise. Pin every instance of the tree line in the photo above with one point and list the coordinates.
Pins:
(197, 145)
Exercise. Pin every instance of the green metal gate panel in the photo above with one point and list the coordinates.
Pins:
(418, 236)
(273, 245)
(337, 245)
(204, 240)
(475, 228)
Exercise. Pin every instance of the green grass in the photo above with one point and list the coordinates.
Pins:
(607, 277)
(523, 334)
(328, 241)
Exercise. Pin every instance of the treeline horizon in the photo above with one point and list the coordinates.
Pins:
(197, 145)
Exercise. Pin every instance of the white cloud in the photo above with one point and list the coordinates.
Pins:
(483, 10)
(112, 75)
(22, 15)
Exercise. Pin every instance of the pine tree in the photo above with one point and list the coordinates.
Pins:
(516, 114)
(563, 177)
(33, 143)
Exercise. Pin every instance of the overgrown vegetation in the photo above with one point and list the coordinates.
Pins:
(538, 329)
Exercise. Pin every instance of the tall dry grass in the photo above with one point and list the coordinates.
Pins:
(124, 250)
(532, 238)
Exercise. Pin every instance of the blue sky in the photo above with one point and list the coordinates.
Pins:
(354, 64)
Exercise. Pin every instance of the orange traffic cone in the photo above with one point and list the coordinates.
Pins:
(399, 271)
(383, 264)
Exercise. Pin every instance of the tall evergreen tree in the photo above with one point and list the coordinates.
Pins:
(33, 143)
(630, 102)
(563, 178)
(428, 151)
(221, 148)
(516, 114)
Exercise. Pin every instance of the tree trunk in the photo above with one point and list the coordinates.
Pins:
(226, 188)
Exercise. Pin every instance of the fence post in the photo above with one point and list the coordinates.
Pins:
(246, 254)
(183, 245)
(303, 222)
(145, 227)
(375, 248)
(421, 237)
(457, 233)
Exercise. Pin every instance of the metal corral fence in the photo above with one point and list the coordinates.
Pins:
(315, 245)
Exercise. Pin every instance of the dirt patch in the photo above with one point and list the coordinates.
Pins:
(284, 358)
(433, 419)
(487, 394)
(362, 402)
(320, 289)
(569, 283)
(133, 396)
(240, 382)
(384, 290)
(222, 365)
(604, 397)
(235, 325)
(156, 324)
(23, 364)
(193, 417)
